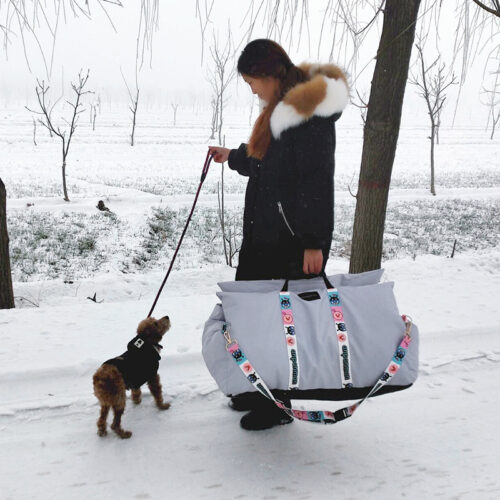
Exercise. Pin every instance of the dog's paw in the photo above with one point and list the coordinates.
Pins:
(121, 432)
(163, 406)
(102, 432)
(137, 401)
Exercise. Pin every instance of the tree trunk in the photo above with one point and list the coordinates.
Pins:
(133, 127)
(65, 189)
(381, 132)
(494, 124)
(433, 134)
(6, 292)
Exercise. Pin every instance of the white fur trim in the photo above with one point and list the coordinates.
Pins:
(286, 116)
(262, 104)
(315, 68)
(336, 99)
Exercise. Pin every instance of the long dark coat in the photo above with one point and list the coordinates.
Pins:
(290, 192)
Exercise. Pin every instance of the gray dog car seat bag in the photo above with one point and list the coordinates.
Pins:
(325, 342)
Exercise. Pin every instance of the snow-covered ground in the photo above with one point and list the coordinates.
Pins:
(437, 439)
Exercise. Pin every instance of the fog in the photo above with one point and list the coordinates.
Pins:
(173, 71)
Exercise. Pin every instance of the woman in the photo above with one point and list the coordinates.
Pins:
(289, 162)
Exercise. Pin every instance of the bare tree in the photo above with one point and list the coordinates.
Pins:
(133, 109)
(493, 97)
(34, 132)
(134, 103)
(381, 132)
(204, 18)
(477, 25)
(148, 24)
(231, 232)
(94, 106)
(214, 103)
(220, 78)
(174, 108)
(6, 291)
(46, 118)
(39, 22)
(362, 106)
(432, 85)
(93, 115)
(148, 21)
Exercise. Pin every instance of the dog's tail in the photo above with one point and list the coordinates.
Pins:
(107, 380)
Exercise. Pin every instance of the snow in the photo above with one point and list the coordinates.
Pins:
(436, 439)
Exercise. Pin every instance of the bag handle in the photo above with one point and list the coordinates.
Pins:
(323, 416)
(322, 274)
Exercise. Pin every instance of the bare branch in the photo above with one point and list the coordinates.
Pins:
(203, 24)
(495, 11)
(37, 21)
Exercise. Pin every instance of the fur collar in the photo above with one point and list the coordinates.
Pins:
(324, 94)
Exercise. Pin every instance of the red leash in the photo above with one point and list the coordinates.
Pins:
(208, 159)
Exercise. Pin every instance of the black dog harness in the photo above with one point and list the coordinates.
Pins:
(139, 363)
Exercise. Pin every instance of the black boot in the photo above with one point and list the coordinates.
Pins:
(265, 418)
(247, 401)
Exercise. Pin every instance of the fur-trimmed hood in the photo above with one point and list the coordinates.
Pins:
(324, 94)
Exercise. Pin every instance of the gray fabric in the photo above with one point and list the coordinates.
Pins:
(358, 279)
(372, 318)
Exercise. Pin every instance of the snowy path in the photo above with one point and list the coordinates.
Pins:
(437, 439)
(427, 442)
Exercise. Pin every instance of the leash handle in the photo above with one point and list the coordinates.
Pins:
(204, 172)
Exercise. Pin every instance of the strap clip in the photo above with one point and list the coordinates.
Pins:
(227, 336)
(409, 322)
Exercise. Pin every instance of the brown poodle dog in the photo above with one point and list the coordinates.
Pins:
(138, 365)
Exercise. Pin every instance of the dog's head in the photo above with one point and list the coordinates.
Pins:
(152, 330)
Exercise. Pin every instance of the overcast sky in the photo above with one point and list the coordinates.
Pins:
(177, 73)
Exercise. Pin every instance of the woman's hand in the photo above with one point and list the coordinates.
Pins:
(313, 260)
(221, 154)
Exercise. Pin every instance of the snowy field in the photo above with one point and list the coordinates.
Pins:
(438, 439)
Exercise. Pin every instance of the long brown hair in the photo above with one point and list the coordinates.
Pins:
(261, 58)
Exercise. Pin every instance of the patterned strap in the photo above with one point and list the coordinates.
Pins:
(325, 417)
(342, 337)
(290, 338)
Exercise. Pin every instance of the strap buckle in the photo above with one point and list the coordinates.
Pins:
(408, 322)
(227, 336)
